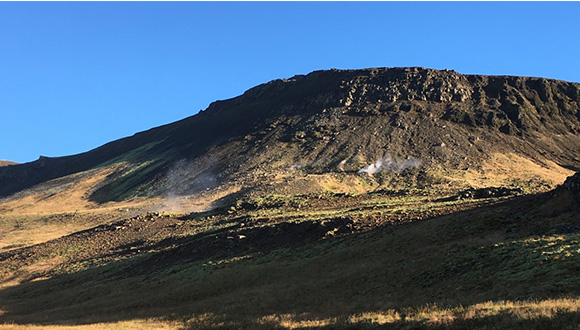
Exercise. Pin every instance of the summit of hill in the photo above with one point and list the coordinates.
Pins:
(343, 131)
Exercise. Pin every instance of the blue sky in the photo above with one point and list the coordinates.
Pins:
(75, 75)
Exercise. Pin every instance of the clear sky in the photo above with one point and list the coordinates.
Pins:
(75, 75)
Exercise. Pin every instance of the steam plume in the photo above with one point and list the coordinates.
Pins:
(185, 178)
(389, 164)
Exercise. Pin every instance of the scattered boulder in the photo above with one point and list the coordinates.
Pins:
(487, 192)
(572, 184)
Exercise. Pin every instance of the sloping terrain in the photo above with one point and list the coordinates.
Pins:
(315, 132)
(400, 198)
(479, 259)
(6, 163)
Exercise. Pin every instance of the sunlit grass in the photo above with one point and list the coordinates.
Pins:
(510, 314)
(458, 268)
(147, 324)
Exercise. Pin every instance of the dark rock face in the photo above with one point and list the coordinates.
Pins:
(512, 105)
(488, 192)
(572, 184)
(337, 120)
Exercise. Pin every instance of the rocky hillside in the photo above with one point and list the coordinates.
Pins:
(340, 130)
(570, 189)
(6, 163)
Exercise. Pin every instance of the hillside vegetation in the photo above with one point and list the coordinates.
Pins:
(313, 261)
(403, 198)
(316, 132)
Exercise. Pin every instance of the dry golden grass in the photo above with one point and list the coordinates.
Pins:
(288, 288)
(430, 315)
(21, 230)
(502, 168)
(69, 200)
(13, 238)
(39, 267)
(147, 324)
(41, 217)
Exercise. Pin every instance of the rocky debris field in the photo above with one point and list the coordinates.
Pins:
(256, 256)
(250, 225)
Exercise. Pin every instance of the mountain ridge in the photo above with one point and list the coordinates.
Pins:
(445, 120)
(7, 162)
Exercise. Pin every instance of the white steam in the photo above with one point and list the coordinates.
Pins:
(389, 164)
(297, 166)
(185, 179)
(316, 162)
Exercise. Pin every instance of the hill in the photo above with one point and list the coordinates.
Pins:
(325, 261)
(6, 163)
(409, 127)
(403, 198)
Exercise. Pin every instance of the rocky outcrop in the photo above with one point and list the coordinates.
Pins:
(336, 121)
(487, 192)
(572, 184)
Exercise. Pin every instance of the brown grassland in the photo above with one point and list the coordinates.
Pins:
(256, 213)
(397, 259)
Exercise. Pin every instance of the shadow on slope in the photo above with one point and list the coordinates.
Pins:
(288, 269)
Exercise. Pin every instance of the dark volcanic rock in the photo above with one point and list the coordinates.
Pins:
(572, 184)
(488, 192)
(334, 121)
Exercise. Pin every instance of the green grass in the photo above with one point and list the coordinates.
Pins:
(549, 264)
(458, 268)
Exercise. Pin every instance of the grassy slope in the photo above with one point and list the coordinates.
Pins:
(412, 261)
